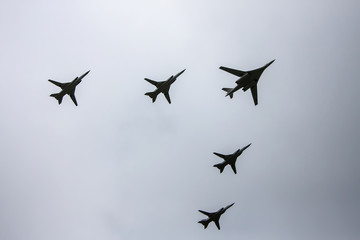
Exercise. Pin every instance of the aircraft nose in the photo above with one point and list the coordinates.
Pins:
(271, 62)
(84, 74)
(181, 72)
(247, 146)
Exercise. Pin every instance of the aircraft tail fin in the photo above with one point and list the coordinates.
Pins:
(58, 97)
(228, 90)
(204, 222)
(220, 166)
(152, 95)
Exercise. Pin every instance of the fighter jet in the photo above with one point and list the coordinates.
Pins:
(248, 79)
(229, 159)
(162, 87)
(214, 216)
(67, 88)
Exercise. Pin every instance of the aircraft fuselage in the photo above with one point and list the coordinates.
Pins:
(251, 78)
(165, 85)
(230, 159)
(70, 87)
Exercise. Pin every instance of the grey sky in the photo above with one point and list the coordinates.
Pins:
(120, 167)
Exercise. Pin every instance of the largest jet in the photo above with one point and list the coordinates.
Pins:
(248, 79)
(229, 159)
(213, 217)
(162, 87)
(67, 88)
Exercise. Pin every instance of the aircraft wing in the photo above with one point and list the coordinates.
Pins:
(62, 85)
(220, 155)
(233, 167)
(167, 97)
(151, 81)
(217, 224)
(72, 96)
(165, 90)
(206, 213)
(238, 73)
(254, 94)
(71, 92)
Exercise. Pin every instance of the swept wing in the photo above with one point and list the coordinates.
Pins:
(236, 72)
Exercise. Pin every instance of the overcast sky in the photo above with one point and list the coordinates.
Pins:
(121, 167)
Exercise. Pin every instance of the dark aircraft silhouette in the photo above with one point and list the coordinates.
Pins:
(214, 216)
(162, 87)
(248, 79)
(229, 159)
(67, 88)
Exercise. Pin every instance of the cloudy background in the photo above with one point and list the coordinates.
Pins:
(120, 167)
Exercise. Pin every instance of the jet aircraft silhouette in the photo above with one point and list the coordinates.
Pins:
(229, 159)
(67, 88)
(162, 87)
(248, 79)
(214, 216)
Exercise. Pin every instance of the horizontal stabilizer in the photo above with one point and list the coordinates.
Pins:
(152, 95)
(204, 222)
(228, 90)
(220, 166)
(58, 96)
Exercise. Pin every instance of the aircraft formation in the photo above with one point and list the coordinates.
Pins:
(247, 80)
